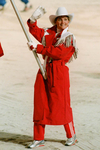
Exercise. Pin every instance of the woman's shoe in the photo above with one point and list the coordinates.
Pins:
(71, 141)
(36, 144)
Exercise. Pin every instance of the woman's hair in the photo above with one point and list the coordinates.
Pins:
(60, 16)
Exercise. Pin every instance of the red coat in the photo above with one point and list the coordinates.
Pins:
(1, 51)
(52, 96)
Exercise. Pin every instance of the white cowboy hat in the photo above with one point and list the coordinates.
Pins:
(61, 11)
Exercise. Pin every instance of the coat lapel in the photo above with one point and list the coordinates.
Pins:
(49, 39)
(51, 35)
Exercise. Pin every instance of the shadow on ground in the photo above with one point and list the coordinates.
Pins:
(22, 139)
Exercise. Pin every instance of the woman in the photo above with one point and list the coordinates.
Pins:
(52, 96)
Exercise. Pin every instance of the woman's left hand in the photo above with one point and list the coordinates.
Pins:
(32, 45)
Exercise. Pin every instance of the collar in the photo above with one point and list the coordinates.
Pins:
(58, 30)
(65, 33)
(53, 29)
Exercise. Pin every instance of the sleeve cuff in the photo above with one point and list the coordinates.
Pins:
(40, 49)
(31, 24)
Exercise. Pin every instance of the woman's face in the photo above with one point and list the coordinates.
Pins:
(62, 22)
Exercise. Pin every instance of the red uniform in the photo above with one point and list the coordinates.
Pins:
(52, 96)
(1, 51)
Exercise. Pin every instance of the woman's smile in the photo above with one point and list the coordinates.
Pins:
(62, 22)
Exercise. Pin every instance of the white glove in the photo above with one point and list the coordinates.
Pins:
(32, 45)
(39, 12)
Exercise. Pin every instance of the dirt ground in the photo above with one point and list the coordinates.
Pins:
(18, 70)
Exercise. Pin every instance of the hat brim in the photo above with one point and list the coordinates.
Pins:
(53, 17)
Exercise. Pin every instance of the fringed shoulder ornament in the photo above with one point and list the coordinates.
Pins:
(68, 39)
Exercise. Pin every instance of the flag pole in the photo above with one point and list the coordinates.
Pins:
(27, 36)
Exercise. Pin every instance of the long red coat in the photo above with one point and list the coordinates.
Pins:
(1, 51)
(52, 96)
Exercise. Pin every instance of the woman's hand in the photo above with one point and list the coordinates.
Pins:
(32, 45)
(39, 12)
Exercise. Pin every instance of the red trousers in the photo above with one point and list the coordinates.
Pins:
(39, 130)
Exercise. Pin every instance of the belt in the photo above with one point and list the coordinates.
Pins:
(50, 60)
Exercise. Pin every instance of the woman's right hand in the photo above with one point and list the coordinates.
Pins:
(39, 12)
